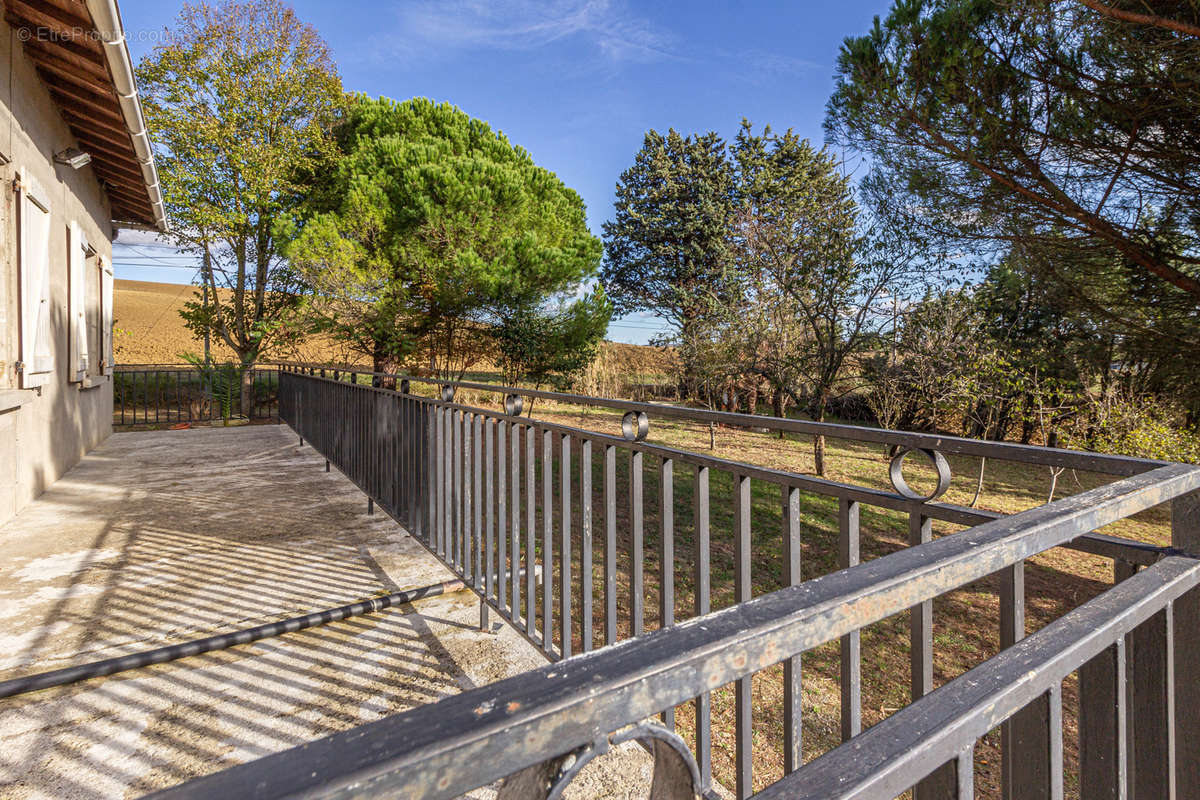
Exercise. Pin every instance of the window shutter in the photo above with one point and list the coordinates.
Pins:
(106, 316)
(37, 344)
(78, 309)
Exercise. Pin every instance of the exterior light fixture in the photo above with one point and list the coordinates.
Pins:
(73, 157)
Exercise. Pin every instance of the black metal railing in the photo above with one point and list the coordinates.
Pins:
(518, 506)
(166, 394)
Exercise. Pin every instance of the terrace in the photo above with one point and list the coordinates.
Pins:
(637, 588)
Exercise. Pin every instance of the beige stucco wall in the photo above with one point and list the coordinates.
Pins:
(44, 431)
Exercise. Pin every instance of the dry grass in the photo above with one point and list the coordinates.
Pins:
(966, 622)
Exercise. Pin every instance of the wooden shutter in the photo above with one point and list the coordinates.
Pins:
(106, 316)
(37, 344)
(77, 248)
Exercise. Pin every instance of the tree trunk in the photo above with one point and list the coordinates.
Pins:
(779, 406)
(247, 400)
(979, 483)
(752, 397)
(819, 440)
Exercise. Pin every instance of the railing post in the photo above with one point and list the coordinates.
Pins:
(1102, 725)
(564, 550)
(1104, 716)
(1185, 535)
(851, 651)
(702, 564)
(1151, 752)
(610, 544)
(666, 515)
(585, 545)
(547, 542)
(743, 704)
(920, 531)
(793, 740)
(1025, 739)
(942, 784)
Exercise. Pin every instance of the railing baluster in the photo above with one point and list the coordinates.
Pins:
(965, 774)
(514, 462)
(428, 420)
(1016, 731)
(468, 497)
(585, 544)
(477, 483)
(702, 606)
(610, 544)
(489, 465)
(564, 551)
(1185, 535)
(851, 643)
(637, 591)
(464, 506)
(940, 783)
(793, 740)
(547, 543)
(743, 711)
(456, 490)
(920, 530)
(1055, 736)
(530, 531)
(1151, 707)
(1103, 762)
(501, 517)
(666, 516)
(439, 414)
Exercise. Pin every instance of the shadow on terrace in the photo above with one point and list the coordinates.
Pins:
(163, 537)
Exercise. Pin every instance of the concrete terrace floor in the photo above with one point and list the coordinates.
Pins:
(165, 536)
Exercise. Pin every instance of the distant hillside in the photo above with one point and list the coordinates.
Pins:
(148, 327)
(149, 330)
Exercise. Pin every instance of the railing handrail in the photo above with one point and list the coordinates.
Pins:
(1005, 451)
(460, 743)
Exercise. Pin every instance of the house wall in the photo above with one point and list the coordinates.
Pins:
(46, 430)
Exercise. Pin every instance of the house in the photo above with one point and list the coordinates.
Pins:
(76, 164)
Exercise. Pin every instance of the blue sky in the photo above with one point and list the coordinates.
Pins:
(575, 82)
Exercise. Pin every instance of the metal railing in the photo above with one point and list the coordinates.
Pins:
(511, 504)
(165, 394)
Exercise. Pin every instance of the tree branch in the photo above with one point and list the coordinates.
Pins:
(1166, 23)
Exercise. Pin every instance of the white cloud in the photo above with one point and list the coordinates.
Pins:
(431, 29)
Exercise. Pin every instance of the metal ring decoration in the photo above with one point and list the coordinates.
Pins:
(635, 425)
(448, 394)
(676, 774)
(513, 404)
(404, 386)
(936, 460)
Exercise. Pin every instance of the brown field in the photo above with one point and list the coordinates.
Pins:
(149, 330)
(147, 326)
